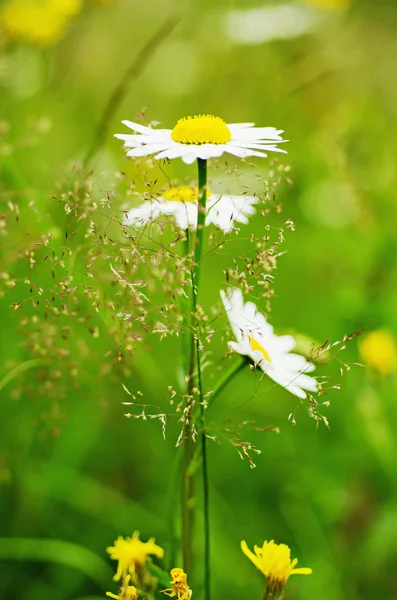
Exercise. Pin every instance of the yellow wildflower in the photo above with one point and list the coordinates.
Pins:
(378, 350)
(127, 592)
(69, 8)
(274, 561)
(41, 22)
(132, 554)
(180, 589)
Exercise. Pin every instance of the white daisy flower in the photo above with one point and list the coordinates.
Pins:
(272, 353)
(201, 136)
(181, 203)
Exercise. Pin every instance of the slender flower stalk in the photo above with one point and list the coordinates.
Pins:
(202, 179)
(202, 184)
(187, 479)
(173, 506)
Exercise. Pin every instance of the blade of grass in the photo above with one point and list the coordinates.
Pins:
(59, 552)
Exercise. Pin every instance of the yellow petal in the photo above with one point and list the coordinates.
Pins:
(251, 555)
(302, 571)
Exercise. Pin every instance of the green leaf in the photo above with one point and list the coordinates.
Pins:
(59, 552)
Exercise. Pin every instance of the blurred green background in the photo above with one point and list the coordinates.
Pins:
(73, 470)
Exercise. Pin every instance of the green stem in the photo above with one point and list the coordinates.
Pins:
(273, 594)
(202, 181)
(187, 480)
(172, 509)
(226, 379)
(122, 88)
(186, 309)
(198, 249)
(204, 466)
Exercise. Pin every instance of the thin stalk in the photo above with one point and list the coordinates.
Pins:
(202, 181)
(204, 466)
(187, 480)
(172, 509)
(273, 594)
(186, 343)
(122, 87)
(198, 249)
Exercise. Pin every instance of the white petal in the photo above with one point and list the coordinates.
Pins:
(286, 343)
(140, 215)
(224, 210)
(239, 348)
(258, 133)
(206, 151)
(307, 383)
(146, 150)
(145, 130)
(239, 126)
(131, 139)
(233, 303)
(243, 152)
(185, 213)
(253, 146)
(189, 158)
(171, 152)
(287, 384)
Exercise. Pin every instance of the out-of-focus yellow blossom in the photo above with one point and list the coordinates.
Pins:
(127, 592)
(378, 350)
(330, 4)
(180, 589)
(41, 22)
(274, 561)
(69, 8)
(132, 554)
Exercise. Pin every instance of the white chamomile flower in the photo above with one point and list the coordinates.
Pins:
(201, 136)
(181, 203)
(272, 353)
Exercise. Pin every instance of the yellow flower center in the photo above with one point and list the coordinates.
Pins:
(255, 345)
(201, 129)
(184, 193)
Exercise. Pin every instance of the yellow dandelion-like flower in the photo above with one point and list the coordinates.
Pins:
(180, 589)
(274, 561)
(40, 22)
(69, 8)
(132, 554)
(127, 592)
(378, 350)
